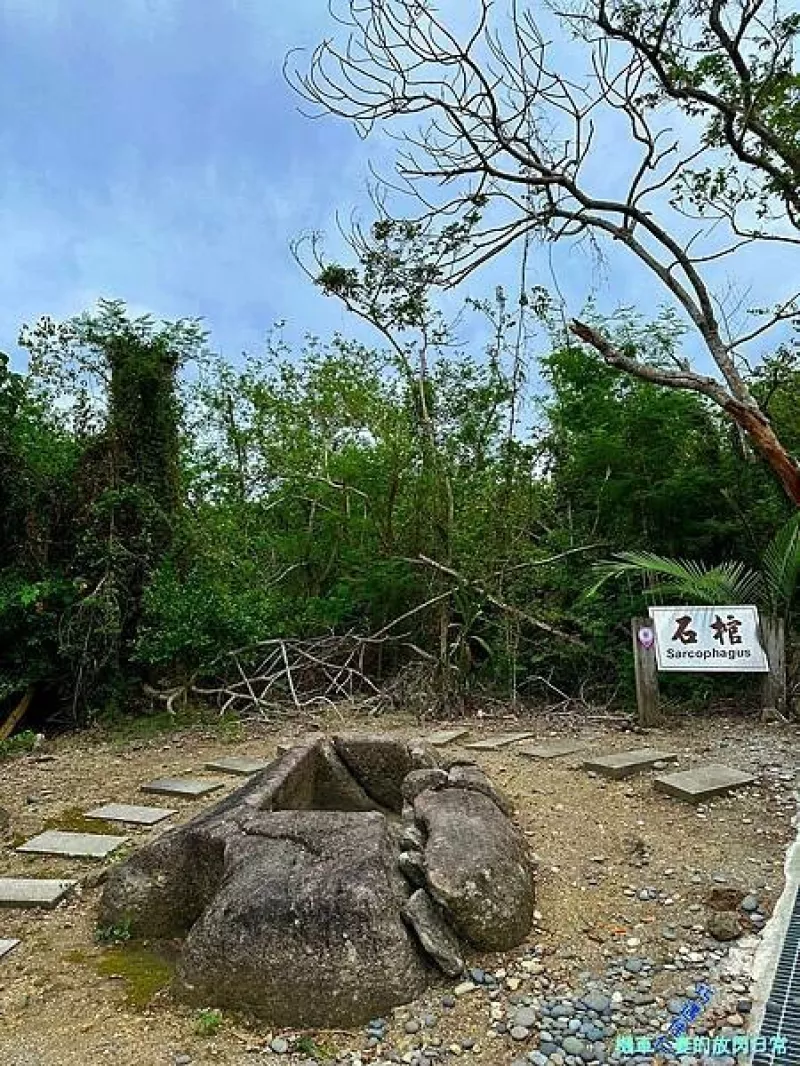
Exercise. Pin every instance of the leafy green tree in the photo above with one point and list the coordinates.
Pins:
(297, 495)
(112, 379)
(38, 462)
(638, 466)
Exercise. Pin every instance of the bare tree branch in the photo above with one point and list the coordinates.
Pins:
(507, 138)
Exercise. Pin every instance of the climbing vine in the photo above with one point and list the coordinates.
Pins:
(115, 380)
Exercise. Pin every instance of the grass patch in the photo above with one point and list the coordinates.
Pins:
(74, 820)
(76, 957)
(208, 1022)
(113, 934)
(145, 973)
(122, 730)
(229, 730)
(321, 1052)
(20, 744)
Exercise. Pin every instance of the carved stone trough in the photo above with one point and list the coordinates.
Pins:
(332, 886)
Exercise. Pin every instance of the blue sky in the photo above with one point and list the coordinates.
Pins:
(152, 151)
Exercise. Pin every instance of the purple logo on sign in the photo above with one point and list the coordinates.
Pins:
(646, 637)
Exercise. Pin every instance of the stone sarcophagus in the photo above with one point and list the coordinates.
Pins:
(333, 885)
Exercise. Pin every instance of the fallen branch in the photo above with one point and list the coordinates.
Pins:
(509, 608)
(168, 696)
(16, 716)
(294, 674)
(549, 559)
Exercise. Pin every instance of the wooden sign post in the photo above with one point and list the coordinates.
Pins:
(704, 639)
(644, 661)
(774, 691)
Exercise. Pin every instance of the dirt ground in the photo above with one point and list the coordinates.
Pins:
(67, 1001)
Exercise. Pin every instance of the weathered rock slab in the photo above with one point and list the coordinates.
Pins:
(237, 764)
(442, 737)
(436, 937)
(703, 782)
(73, 845)
(502, 740)
(33, 891)
(181, 786)
(7, 944)
(478, 867)
(130, 813)
(625, 763)
(549, 749)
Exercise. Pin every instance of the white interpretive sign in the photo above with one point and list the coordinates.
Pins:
(708, 639)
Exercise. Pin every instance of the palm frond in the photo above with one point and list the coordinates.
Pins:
(688, 579)
(781, 565)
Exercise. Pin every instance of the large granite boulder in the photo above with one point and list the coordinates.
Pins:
(304, 897)
(478, 867)
(307, 921)
(470, 776)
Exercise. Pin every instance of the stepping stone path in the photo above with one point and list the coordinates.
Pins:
(236, 765)
(182, 786)
(703, 782)
(46, 893)
(445, 736)
(625, 763)
(73, 845)
(6, 946)
(33, 891)
(498, 742)
(550, 750)
(124, 812)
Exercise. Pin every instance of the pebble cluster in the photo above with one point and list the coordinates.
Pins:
(530, 1018)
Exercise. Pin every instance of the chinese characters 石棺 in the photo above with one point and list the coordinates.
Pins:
(730, 627)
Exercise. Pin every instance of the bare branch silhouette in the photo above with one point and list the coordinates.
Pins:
(701, 93)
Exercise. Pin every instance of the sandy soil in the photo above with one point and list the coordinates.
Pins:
(62, 1004)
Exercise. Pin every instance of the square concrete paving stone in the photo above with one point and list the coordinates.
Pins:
(703, 782)
(496, 743)
(33, 891)
(125, 812)
(443, 737)
(549, 750)
(73, 845)
(236, 764)
(6, 946)
(182, 786)
(625, 763)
